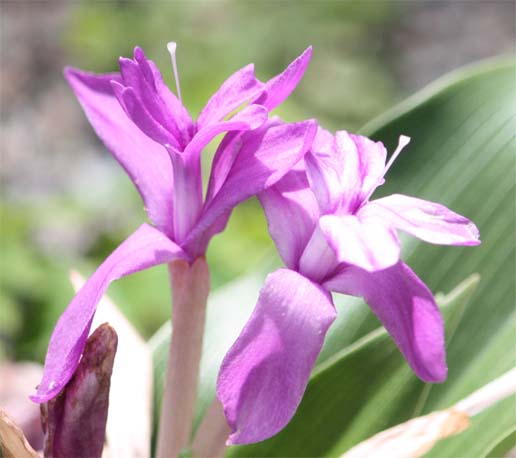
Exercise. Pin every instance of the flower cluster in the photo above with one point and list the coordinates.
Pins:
(315, 189)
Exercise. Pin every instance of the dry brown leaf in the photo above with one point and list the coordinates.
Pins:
(413, 438)
(13, 442)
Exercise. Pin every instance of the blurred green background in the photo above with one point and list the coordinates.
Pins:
(67, 204)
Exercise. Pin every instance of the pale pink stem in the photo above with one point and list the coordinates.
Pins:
(210, 439)
(190, 288)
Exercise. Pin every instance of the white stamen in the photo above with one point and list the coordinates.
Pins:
(402, 142)
(172, 46)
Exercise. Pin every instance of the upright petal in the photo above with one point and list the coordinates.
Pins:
(141, 80)
(178, 114)
(291, 211)
(277, 89)
(225, 157)
(187, 168)
(146, 162)
(266, 155)
(369, 244)
(249, 118)
(264, 375)
(142, 118)
(240, 87)
(407, 309)
(147, 247)
(429, 221)
(344, 170)
(326, 170)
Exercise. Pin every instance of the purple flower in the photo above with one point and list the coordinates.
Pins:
(333, 239)
(152, 136)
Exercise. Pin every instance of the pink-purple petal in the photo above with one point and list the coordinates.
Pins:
(146, 247)
(181, 117)
(140, 79)
(325, 171)
(281, 86)
(407, 309)
(239, 88)
(318, 259)
(291, 211)
(249, 118)
(429, 221)
(146, 162)
(264, 375)
(266, 155)
(141, 117)
(368, 244)
(344, 170)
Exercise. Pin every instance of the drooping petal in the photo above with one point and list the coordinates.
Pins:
(277, 89)
(240, 87)
(291, 211)
(429, 221)
(266, 155)
(264, 375)
(147, 247)
(368, 244)
(146, 162)
(407, 309)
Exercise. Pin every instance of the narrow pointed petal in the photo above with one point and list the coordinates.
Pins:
(266, 155)
(145, 248)
(225, 157)
(146, 162)
(264, 375)
(407, 309)
(368, 244)
(429, 221)
(180, 116)
(141, 81)
(75, 422)
(292, 212)
(249, 118)
(240, 87)
(281, 86)
(141, 117)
